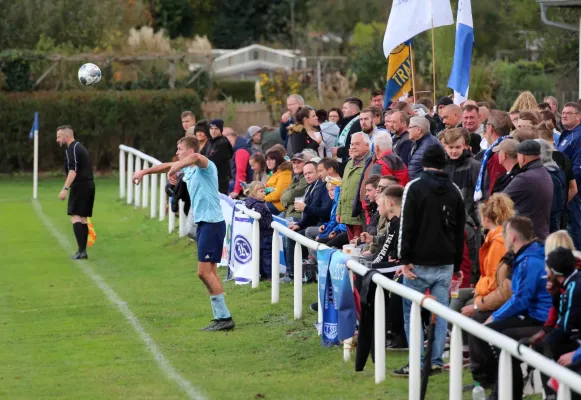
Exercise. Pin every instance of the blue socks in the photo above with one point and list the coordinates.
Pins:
(219, 307)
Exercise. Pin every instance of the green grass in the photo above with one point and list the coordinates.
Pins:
(61, 337)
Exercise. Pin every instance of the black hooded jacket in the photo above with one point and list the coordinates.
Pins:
(219, 151)
(432, 221)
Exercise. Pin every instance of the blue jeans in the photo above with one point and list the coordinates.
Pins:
(574, 226)
(437, 279)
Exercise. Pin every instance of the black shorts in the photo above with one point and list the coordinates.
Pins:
(81, 199)
(210, 238)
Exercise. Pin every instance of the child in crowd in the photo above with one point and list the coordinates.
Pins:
(255, 201)
(258, 165)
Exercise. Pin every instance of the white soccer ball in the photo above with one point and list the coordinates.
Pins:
(89, 74)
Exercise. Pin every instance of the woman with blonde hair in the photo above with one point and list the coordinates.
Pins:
(494, 213)
(558, 239)
(524, 101)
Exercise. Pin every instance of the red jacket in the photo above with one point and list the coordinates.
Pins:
(391, 164)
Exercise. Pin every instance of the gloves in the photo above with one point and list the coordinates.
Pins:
(268, 190)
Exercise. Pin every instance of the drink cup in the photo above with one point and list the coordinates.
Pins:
(455, 289)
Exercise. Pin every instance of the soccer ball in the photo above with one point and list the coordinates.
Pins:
(89, 74)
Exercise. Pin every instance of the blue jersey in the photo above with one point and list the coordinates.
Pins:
(203, 189)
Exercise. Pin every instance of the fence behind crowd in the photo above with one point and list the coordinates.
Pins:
(241, 254)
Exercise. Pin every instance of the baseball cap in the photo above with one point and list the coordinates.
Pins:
(252, 130)
(299, 157)
(529, 148)
(508, 146)
(561, 261)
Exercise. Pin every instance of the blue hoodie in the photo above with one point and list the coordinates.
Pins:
(529, 294)
(570, 144)
(333, 225)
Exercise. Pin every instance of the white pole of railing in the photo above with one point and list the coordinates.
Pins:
(564, 393)
(379, 326)
(505, 376)
(456, 364)
(415, 352)
(162, 196)
(122, 171)
(145, 189)
(130, 178)
(255, 254)
(182, 219)
(153, 200)
(172, 221)
(298, 280)
(319, 306)
(275, 296)
(35, 164)
(348, 343)
(137, 188)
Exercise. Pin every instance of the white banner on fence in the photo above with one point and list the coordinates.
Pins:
(237, 249)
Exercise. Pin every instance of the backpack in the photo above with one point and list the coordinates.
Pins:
(560, 191)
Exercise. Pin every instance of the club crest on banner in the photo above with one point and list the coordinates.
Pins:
(331, 330)
(242, 249)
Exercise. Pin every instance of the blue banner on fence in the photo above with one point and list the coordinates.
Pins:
(337, 300)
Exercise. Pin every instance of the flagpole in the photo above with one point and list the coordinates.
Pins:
(433, 59)
(413, 72)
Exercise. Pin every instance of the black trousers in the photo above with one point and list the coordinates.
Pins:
(554, 345)
(516, 328)
(479, 353)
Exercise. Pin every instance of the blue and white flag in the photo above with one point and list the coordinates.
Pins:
(35, 126)
(460, 75)
(411, 17)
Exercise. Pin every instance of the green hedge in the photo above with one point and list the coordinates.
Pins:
(237, 90)
(147, 120)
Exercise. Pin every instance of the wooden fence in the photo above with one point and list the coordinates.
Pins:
(238, 116)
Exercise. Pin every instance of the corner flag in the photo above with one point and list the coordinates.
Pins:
(35, 126)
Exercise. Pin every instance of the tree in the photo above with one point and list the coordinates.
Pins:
(183, 17)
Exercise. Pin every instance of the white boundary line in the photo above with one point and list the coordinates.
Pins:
(163, 363)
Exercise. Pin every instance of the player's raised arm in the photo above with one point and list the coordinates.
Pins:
(156, 169)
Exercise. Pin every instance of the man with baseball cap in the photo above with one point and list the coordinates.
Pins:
(532, 189)
(507, 159)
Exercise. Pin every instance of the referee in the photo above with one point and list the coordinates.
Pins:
(80, 183)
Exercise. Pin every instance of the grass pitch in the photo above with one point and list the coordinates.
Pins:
(62, 338)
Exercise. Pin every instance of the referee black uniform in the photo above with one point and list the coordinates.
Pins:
(82, 191)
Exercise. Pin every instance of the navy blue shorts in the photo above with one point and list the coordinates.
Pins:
(210, 238)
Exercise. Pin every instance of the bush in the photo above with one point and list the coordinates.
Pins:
(147, 120)
(236, 90)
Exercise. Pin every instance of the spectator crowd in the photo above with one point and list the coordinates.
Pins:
(480, 208)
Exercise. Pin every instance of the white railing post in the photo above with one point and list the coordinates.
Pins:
(137, 188)
(182, 219)
(298, 281)
(255, 254)
(319, 304)
(171, 221)
(415, 352)
(145, 190)
(348, 343)
(122, 171)
(275, 296)
(379, 326)
(130, 178)
(505, 376)
(456, 364)
(162, 196)
(564, 393)
(153, 200)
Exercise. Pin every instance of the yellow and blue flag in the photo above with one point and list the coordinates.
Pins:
(399, 73)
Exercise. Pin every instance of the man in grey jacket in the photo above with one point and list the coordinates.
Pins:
(419, 131)
(532, 189)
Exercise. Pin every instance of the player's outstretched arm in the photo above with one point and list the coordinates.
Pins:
(194, 159)
(156, 169)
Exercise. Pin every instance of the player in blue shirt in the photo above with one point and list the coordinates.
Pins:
(201, 177)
